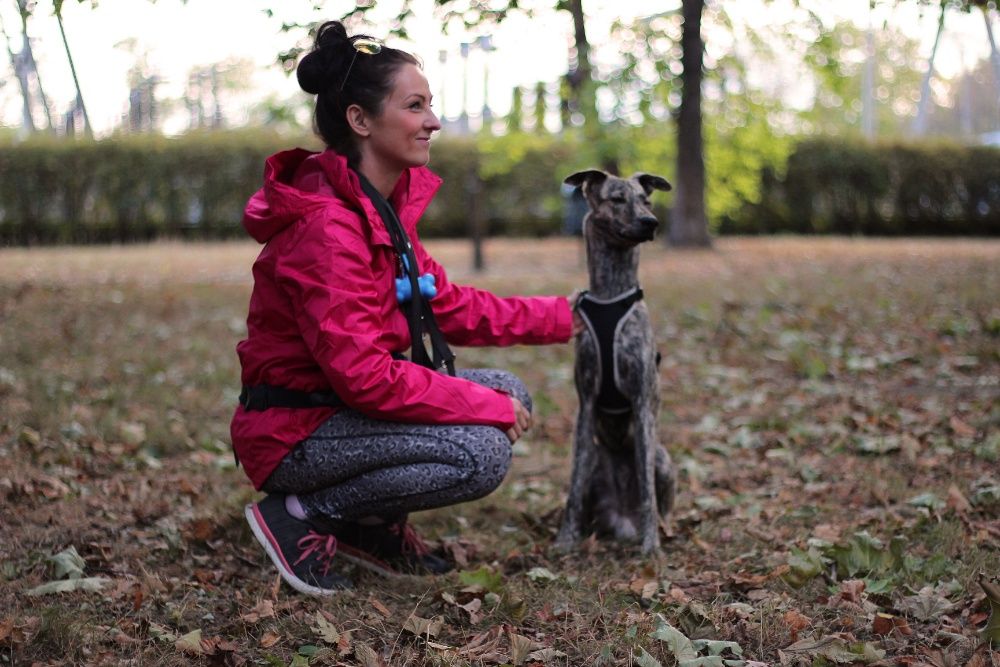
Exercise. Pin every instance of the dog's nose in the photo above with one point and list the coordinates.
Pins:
(649, 222)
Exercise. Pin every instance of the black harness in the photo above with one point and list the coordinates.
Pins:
(419, 318)
(603, 318)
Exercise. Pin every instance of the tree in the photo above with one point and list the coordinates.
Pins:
(920, 122)
(57, 6)
(689, 224)
(689, 219)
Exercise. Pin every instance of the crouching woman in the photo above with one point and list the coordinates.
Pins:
(344, 433)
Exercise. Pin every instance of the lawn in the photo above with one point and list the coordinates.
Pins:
(832, 405)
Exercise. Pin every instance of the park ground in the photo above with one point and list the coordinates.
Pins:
(831, 405)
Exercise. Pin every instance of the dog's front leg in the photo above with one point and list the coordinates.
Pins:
(584, 461)
(645, 465)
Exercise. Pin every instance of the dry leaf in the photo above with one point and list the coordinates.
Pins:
(852, 590)
(325, 630)
(269, 639)
(796, 622)
(380, 608)
(264, 609)
(367, 656)
(190, 643)
(520, 647)
(961, 429)
(423, 627)
(957, 501)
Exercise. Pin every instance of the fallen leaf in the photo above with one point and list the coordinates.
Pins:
(68, 564)
(796, 622)
(884, 624)
(472, 607)
(87, 584)
(852, 590)
(269, 639)
(546, 655)
(957, 501)
(325, 630)
(991, 633)
(367, 656)
(836, 649)
(190, 643)
(961, 429)
(676, 641)
(423, 627)
(926, 605)
(380, 608)
(541, 574)
(263, 609)
(520, 647)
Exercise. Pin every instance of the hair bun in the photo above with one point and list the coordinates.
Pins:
(314, 71)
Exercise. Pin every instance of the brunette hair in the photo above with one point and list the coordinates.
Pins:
(328, 73)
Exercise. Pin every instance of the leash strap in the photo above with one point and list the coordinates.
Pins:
(420, 315)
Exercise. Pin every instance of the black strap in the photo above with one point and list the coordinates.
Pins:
(602, 317)
(263, 396)
(420, 315)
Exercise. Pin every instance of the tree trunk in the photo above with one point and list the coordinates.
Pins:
(994, 54)
(28, 62)
(72, 68)
(22, 79)
(689, 224)
(920, 122)
(581, 73)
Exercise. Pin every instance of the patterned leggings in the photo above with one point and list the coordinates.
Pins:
(354, 466)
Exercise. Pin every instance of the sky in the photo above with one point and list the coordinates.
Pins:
(175, 36)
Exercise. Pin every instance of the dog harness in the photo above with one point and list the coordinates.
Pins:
(603, 318)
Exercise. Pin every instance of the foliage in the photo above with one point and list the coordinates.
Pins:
(831, 186)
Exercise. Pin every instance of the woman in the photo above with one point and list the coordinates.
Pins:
(344, 433)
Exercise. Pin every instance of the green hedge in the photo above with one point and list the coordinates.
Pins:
(832, 186)
(141, 187)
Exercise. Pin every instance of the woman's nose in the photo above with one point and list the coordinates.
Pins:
(432, 123)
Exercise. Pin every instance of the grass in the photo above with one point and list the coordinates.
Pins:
(831, 405)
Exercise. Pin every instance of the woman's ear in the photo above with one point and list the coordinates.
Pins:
(358, 120)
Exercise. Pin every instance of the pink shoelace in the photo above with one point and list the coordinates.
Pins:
(411, 541)
(323, 546)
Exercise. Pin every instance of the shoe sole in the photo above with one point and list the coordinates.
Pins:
(369, 562)
(267, 541)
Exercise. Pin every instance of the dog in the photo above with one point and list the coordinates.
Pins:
(622, 480)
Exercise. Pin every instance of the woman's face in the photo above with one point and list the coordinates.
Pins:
(401, 134)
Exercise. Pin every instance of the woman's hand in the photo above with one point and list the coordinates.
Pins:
(522, 421)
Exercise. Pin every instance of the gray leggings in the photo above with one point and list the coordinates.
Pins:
(354, 466)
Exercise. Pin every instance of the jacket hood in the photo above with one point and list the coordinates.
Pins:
(298, 182)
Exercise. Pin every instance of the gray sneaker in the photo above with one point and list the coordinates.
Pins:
(303, 556)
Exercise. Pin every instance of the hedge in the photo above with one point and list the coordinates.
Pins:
(832, 186)
(140, 187)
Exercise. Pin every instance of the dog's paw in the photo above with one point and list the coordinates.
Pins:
(564, 543)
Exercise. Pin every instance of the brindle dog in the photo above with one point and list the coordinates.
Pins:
(622, 479)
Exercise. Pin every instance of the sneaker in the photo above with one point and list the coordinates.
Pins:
(390, 549)
(302, 555)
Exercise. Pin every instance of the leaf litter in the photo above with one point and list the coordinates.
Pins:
(832, 415)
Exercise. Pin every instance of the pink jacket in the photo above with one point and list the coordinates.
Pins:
(323, 312)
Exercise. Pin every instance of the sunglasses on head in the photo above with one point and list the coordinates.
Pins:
(369, 47)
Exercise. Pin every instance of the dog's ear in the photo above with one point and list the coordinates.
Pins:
(590, 177)
(650, 182)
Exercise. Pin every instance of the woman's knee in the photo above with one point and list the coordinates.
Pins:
(514, 386)
(490, 458)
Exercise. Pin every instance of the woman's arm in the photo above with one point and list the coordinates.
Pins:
(471, 316)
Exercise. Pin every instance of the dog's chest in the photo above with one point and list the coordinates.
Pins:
(609, 353)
